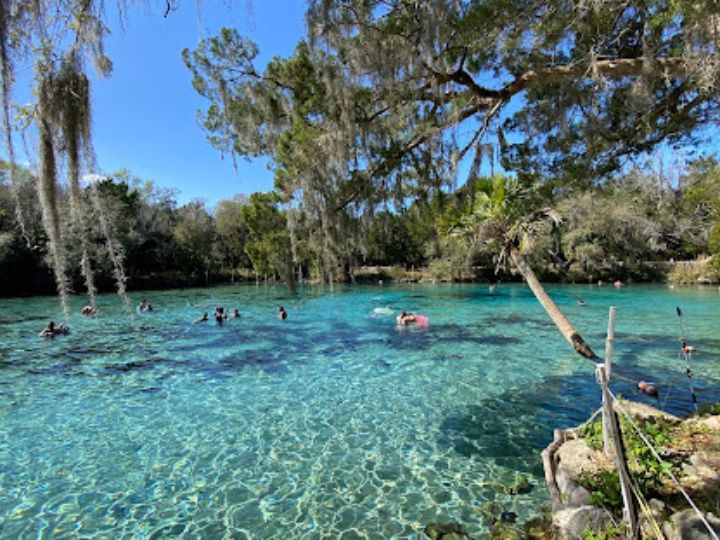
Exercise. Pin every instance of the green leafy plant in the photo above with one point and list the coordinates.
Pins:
(593, 435)
(610, 533)
(645, 467)
(649, 473)
(604, 487)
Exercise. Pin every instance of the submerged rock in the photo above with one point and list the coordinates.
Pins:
(505, 531)
(538, 529)
(446, 531)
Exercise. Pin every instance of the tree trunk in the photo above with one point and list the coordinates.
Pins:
(566, 329)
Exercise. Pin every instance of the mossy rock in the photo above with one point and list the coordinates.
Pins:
(446, 531)
(538, 528)
(506, 531)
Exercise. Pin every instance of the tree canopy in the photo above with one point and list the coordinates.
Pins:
(372, 118)
(564, 87)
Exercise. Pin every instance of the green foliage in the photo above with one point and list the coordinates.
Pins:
(268, 244)
(645, 469)
(452, 263)
(599, 82)
(593, 434)
(707, 409)
(604, 487)
(714, 239)
(612, 532)
(377, 108)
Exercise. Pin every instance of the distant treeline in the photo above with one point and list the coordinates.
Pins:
(610, 231)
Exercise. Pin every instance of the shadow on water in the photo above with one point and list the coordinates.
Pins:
(515, 319)
(504, 427)
(270, 360)
(460, 333)
(134, 365)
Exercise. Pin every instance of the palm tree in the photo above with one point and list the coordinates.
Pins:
(507, 213)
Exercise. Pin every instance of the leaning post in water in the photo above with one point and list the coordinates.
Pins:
(607, 440)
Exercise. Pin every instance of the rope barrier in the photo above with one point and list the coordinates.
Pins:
(686, 352)
(647, 511)
(669, 472)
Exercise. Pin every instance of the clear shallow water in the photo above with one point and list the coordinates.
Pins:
(331, 424)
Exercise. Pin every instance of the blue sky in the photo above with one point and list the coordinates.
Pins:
(145, 112)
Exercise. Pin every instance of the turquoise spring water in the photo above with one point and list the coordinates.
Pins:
(330, 424)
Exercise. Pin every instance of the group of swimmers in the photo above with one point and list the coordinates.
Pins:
(617, 283)
(221, 315)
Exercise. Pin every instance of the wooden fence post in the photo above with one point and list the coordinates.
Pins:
(629, 511)
(607, 441)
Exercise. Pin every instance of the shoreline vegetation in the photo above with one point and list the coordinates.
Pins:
(587, 501)
(682, 273)
(134, 235)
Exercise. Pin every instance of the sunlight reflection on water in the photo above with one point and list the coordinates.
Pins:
(329, 422)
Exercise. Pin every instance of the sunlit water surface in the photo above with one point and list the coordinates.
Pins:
(330, 424)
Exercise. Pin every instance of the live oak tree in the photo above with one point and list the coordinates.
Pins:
(283, 113)
(566, 88)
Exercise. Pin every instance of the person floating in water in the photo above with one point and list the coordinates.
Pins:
(52, 330)
(49, 331)
(282, 314)
(405, 317)
(235, 313)
(581, 302)
(648, 388)
(204, 318)
(145, 306)
(88, 310)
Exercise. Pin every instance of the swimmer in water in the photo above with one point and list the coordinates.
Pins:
(405, 317)
(282, 314)
(52, 330)
(88, 310)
